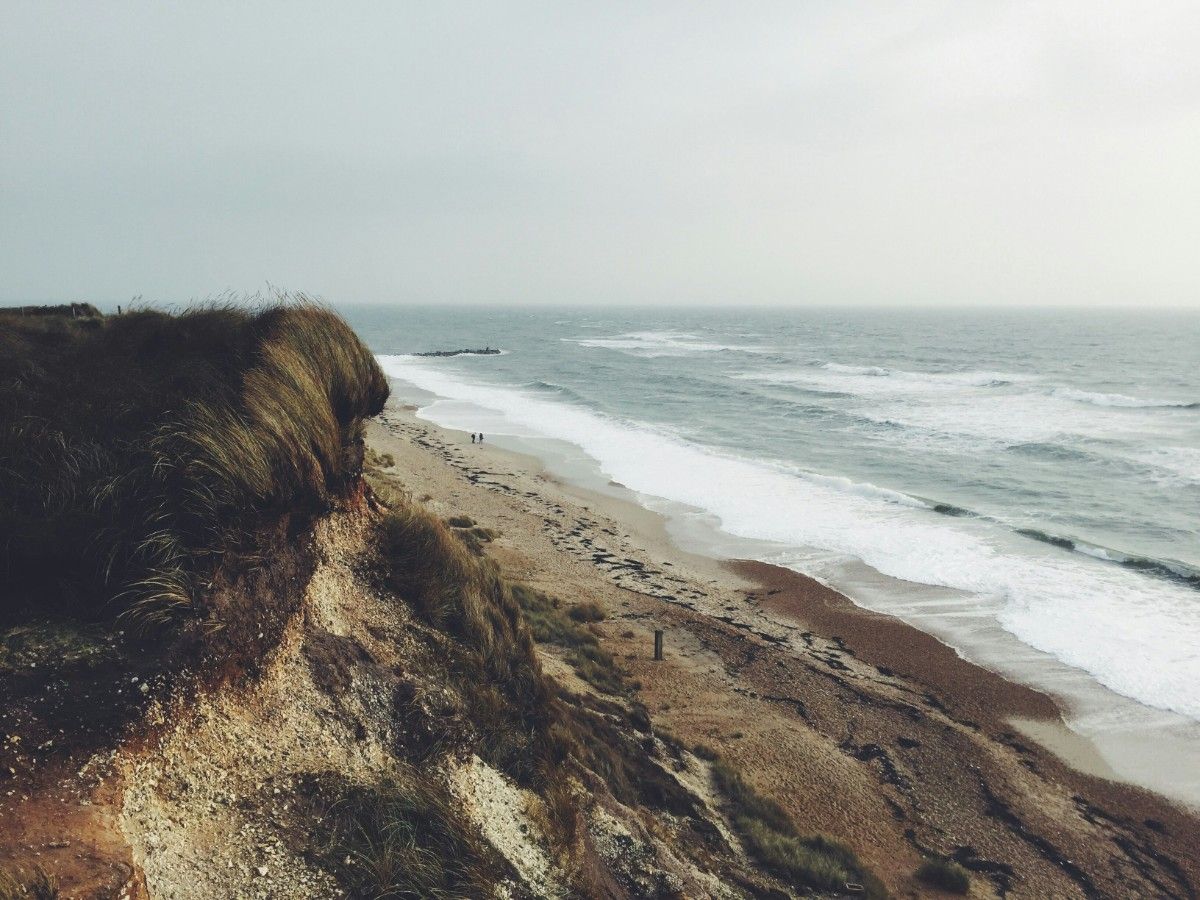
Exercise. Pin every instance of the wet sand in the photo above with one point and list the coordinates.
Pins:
(861, 725)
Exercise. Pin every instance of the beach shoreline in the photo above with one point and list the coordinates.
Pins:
(877, 731)
(894, 646)
(1058, 707)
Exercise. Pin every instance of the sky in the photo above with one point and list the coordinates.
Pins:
(923, 153)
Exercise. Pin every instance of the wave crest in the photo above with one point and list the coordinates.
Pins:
(662, 343)
(1120, 400)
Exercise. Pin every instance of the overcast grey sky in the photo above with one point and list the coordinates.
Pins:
(799, 153)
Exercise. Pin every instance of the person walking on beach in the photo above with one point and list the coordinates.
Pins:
(472, 437)
(481, 437)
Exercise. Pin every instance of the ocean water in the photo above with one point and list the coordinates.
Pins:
(1025, 481)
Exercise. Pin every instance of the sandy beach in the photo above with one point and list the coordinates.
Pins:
(862, 726)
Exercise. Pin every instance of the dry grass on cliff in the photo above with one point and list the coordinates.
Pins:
(136, 450)
(770, 836)
(511, 703)
(552, 624)
(945, 875)
(403, 838)
(524, 725)
(35, 884)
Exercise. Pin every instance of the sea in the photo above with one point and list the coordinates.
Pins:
(1024, 484)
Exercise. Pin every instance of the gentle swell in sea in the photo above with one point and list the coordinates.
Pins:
(1121, 400)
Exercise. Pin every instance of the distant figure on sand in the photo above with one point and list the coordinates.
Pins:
(472, 437)
(481, 437)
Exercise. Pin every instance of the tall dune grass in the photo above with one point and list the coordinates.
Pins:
(511, 702)
(137, 449)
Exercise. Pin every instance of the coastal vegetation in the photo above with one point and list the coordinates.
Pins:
(464, 596)
(34, 885)
(944, 874)
(137, 452)
(807, 861)
(402, 838)
(587, 612)
(474, 536)
(552, 624)
(520, 721)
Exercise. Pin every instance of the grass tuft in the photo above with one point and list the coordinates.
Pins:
(551, 624)
(944, 874)
(405, 838)
(598, 668)
(807, 861)
(587, 612)
(35, 885)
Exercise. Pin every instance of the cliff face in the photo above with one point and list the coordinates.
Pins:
(348, 758)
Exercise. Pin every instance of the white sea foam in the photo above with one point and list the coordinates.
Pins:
(1120, 400)
(876, 380)
(1134, 633)
(992, 423)
(1173, 464)
(873, 371)
(964, 410)
(862, 489)
(661, 343)
(879, 381)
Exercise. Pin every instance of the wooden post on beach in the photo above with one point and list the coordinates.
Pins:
(658, 638)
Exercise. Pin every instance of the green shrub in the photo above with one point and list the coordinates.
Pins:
(598, 668)
(379, 460)
(474, 538)
(798, 861)
(747, 802)
(944, 874)
(547, 621)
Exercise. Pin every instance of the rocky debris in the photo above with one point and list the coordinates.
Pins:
(497, 807)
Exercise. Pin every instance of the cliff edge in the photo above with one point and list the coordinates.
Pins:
(238, 659)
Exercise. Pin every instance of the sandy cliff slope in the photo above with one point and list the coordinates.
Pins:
(230, 784)
(349, 701)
